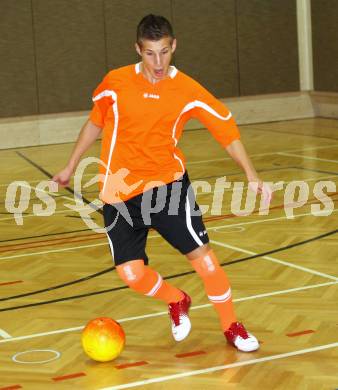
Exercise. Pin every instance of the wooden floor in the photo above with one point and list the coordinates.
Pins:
(56, 275)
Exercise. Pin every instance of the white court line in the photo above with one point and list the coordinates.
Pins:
(53, 251)
(232, 189)
(87, 207)
(307, 157)
(55, 212)
(217, 159)
(158, 236)
(52, 194)
(221, 368)
(304, 269)
(268, 220)
(162, 313)
(263, 154)
(225, 189)
(284, 181)
(39, 180)
(4, 334)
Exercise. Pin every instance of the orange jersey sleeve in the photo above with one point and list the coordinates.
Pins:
(103, 98)
(215, 116)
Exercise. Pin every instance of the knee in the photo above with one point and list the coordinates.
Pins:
(131, 272)
(199, 252)
(207, 265)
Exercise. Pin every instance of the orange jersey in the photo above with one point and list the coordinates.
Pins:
(142, 123)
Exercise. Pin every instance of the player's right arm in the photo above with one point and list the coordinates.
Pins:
(88, 135)
(90, 131)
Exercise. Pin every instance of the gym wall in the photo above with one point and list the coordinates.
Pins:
(267, 46)
(325, 44)
(18, 87)
(54, 53)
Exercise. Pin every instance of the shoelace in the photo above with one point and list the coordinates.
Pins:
(238, 329)
(174, 311)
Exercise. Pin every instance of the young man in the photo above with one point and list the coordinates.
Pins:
(141, 111)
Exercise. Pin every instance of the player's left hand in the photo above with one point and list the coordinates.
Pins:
(258, 186)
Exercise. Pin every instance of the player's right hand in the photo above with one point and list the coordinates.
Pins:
(63, 177)
(258, 186)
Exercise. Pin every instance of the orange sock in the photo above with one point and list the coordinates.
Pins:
(217, 287)
(145, 280)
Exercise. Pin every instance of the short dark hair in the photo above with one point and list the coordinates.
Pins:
(154, 28)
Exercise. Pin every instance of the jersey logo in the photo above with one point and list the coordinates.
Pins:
(150, 96)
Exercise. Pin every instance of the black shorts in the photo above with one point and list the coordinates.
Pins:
(170, 209)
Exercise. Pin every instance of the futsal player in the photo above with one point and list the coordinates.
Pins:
(140, 110)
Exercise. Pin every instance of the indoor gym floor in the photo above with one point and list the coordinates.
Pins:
(56, 275)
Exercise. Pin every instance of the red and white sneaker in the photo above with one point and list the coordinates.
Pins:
(180, 322)
(240, 338)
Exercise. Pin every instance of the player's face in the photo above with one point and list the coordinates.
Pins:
(156, 57)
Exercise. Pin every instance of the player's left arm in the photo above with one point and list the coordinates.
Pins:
(219, 121)
(238, 153)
